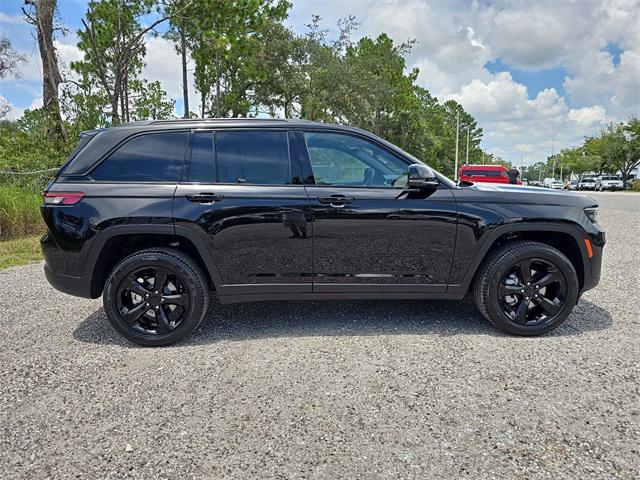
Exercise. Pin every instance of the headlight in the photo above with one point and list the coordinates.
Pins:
(592, 214)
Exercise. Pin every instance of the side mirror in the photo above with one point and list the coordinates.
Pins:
(421, 176)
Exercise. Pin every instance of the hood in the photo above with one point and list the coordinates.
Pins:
(499, 193)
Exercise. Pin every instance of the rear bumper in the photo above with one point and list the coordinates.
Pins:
(76, 286)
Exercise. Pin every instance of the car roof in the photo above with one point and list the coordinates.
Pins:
(483, 167)
(107, 138)
(231, 123)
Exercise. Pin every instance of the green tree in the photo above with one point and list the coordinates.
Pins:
(113, 42)
(616, 148)
(225, 42)
(151, 102)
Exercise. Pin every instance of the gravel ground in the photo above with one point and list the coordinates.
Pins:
(325, 389)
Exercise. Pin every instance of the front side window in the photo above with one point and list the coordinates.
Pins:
(153, 157)
(338, 159)
(254, 157)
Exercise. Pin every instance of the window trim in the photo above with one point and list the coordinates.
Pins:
(294, 162)
(365, 138)
(130, 138)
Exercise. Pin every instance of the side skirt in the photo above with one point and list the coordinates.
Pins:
(264, 297)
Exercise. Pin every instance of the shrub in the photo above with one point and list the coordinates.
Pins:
(19, 212)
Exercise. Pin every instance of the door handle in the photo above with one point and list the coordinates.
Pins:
(205, 197)
(336, 201)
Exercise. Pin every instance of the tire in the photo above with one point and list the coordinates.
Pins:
(174, 311)
(503, 271)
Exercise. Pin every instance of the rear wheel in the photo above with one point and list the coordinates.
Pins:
(156, 297)
(526, 288)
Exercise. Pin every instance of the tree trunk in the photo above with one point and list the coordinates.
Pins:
(123, 110)
(115, 99)
(376, 124)
(51, 77)
(217, 86)
(185, 85)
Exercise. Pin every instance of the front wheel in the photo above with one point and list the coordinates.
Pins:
(526, 288)
(156, 297)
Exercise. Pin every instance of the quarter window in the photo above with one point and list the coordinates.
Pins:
(253, 157)
(338, 159)
(153, 157)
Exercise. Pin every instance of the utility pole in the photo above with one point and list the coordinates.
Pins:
(455, 168)
(553, 144)
(467, 160)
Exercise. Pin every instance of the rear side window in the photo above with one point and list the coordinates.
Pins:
(153, 157)
(257, 157)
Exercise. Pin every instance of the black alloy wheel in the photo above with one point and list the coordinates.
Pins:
(533, 292)
(153, 300)
(156, 296)
(526, 288)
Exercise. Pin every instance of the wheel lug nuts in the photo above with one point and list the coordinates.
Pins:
(147, 304)
(522, 291)
(157, 308)
(146, 295)
(156, 292)
(537, 295)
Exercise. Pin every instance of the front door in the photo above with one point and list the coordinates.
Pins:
(244, 198)
(370, 233)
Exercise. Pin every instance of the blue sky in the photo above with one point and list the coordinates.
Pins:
(528, 71)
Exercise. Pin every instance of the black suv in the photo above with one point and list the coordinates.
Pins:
(154, 215)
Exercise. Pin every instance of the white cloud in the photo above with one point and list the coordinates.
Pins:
(10, 19)
(455, 43)
(17, 112)
(587, 116)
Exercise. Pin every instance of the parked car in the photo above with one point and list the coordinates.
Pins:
(587, 183)
(485, 173)
(553, 183)
(572, 185)
(608, 182)
(156, 216)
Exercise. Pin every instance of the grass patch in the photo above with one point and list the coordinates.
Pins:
(20, 251)
(19, 212)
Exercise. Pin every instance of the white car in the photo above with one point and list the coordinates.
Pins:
(608, 182)
(553, 183)
(587, 184)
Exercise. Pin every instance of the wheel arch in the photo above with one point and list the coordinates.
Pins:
(564, 237)
(115, 243)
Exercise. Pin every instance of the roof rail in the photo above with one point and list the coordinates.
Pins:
(221, 120)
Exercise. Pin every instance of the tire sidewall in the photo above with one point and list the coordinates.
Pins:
(197, 305)
(556, 258)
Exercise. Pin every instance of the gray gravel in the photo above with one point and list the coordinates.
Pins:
(325, 389)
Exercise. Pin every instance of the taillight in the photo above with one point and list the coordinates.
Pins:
(62, 198)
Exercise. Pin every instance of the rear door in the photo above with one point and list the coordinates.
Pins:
(242, 194)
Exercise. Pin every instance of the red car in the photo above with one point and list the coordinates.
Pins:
(485, 173)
